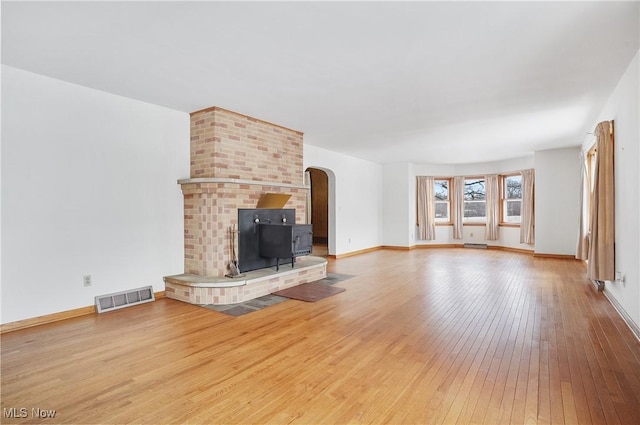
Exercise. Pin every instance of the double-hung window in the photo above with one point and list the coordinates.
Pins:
(475, 200)
(511, 198)
(442, 200)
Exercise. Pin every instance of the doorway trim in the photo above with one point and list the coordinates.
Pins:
(331, 202)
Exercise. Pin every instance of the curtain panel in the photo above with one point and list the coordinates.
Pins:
(493, 207)
(601, 261)
(582, 247)
(458, 206)
(527, 222)
(426, 209)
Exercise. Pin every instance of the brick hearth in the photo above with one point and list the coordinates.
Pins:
(222, 290)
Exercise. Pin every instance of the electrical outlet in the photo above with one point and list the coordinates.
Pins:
(86, 280)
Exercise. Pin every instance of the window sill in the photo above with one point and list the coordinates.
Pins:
(509, 224)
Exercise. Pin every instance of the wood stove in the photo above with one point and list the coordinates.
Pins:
(284, 241)
(270, 237)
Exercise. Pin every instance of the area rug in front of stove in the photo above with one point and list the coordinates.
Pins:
(309, 292)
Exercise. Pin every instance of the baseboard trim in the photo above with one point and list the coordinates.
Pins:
(439, 245)
(397, 247)
(635, 329)
(559, 256)
(49, 318)
(460, 245)
(352, 253)
(56, 317)
(510, 249)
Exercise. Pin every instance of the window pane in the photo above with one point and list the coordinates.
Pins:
(512, 211)
(441, 190)
(474, 190)
(513, 208)
(474, 199)
(442, 211)
(513, 187)
(475, 209)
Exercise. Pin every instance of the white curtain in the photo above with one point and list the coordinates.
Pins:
(426, 209)
(458, 206)
(527, 222)
(493, 207)
(582, 248)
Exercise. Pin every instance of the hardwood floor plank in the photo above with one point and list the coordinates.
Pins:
(544, 393)
(459, 336)
(569, 408)
(557, 356)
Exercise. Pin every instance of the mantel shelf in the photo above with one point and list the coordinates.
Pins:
(240, 181)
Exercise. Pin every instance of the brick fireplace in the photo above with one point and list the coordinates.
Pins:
(235, 159)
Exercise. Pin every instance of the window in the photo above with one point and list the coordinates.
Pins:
(442, 200)
(591, 169)
(475, 202)
(511, 198)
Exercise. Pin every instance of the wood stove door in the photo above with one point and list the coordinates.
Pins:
(302, 239)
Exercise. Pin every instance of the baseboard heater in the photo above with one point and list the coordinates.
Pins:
(476, 245)
(124, 299)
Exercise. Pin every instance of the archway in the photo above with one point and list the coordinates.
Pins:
(322, 183)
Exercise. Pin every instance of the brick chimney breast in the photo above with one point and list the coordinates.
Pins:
(235, 159)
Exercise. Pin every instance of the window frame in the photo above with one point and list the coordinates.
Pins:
(449, 221)
(591, 169)
(475, 221)
(503, 200)
(591, 166)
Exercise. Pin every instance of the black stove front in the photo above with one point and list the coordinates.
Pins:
(284, 241)
(270, 237)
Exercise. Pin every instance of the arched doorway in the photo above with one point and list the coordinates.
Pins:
(320, 211)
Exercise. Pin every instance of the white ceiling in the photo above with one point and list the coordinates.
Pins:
(424, 82)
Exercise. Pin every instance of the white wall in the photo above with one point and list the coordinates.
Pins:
(557, 200)
(495, 167)
(623, 108)
(397, 190)
(355, 201)
(88, 188)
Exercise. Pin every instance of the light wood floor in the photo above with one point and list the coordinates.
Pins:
(448, 336)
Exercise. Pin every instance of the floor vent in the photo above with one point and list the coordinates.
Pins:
(124, 299)
(476, 245)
